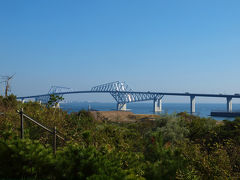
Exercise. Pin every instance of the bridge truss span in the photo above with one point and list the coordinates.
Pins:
(123, 98)
(120, 91)
(123, 94)
(128, 97)
(57, 90)
(113, 86)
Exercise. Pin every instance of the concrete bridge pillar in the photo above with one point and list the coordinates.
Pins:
(121, 107)
(157, 105)
(192, 101)
(229, 104)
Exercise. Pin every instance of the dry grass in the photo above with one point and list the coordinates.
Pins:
(121, 116)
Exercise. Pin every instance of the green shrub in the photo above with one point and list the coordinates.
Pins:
(23, 158)
(173, 129)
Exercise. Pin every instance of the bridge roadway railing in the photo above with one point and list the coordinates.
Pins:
(140, 92)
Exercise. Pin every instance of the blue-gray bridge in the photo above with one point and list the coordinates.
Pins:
(123, 95)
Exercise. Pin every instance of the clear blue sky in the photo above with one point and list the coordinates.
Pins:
(162, 45)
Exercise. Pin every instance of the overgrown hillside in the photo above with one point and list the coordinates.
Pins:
(178, 146)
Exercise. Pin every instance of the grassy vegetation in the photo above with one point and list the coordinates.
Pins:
(178, 146)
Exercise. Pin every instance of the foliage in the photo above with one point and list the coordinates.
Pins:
(29, 159)
(54, 100)
(172, 128)
(162, 161)
(230, 130)
(8, 102)
(76, 162)
(198, 127)
(24, 158)
(178, 146)
(204, 165)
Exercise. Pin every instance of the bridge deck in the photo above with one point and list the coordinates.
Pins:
(139, 92)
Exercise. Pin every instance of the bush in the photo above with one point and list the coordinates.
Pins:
(23, 158)
(173, 129)
(198, 127)
(76, 162)
(178, 146)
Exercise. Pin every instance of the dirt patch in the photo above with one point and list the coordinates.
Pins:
(122, 116)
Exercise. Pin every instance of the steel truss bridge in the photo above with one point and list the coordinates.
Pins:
(123, 94)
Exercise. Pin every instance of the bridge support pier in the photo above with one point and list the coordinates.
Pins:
(57, 105)
(157, 105)
(121, 107)
(192, 101)
(229, 104)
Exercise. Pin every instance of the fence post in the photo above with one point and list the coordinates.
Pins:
(54, 139)
(22, 126)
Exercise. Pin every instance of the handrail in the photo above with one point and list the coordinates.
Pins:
(38, 123)
(54, 131)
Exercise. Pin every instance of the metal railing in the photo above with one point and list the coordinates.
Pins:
(54, 131)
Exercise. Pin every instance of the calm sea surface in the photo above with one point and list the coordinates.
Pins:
(202, 110)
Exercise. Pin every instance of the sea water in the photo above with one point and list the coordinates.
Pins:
(202, 109)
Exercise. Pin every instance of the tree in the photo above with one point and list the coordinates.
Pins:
(54, 100)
